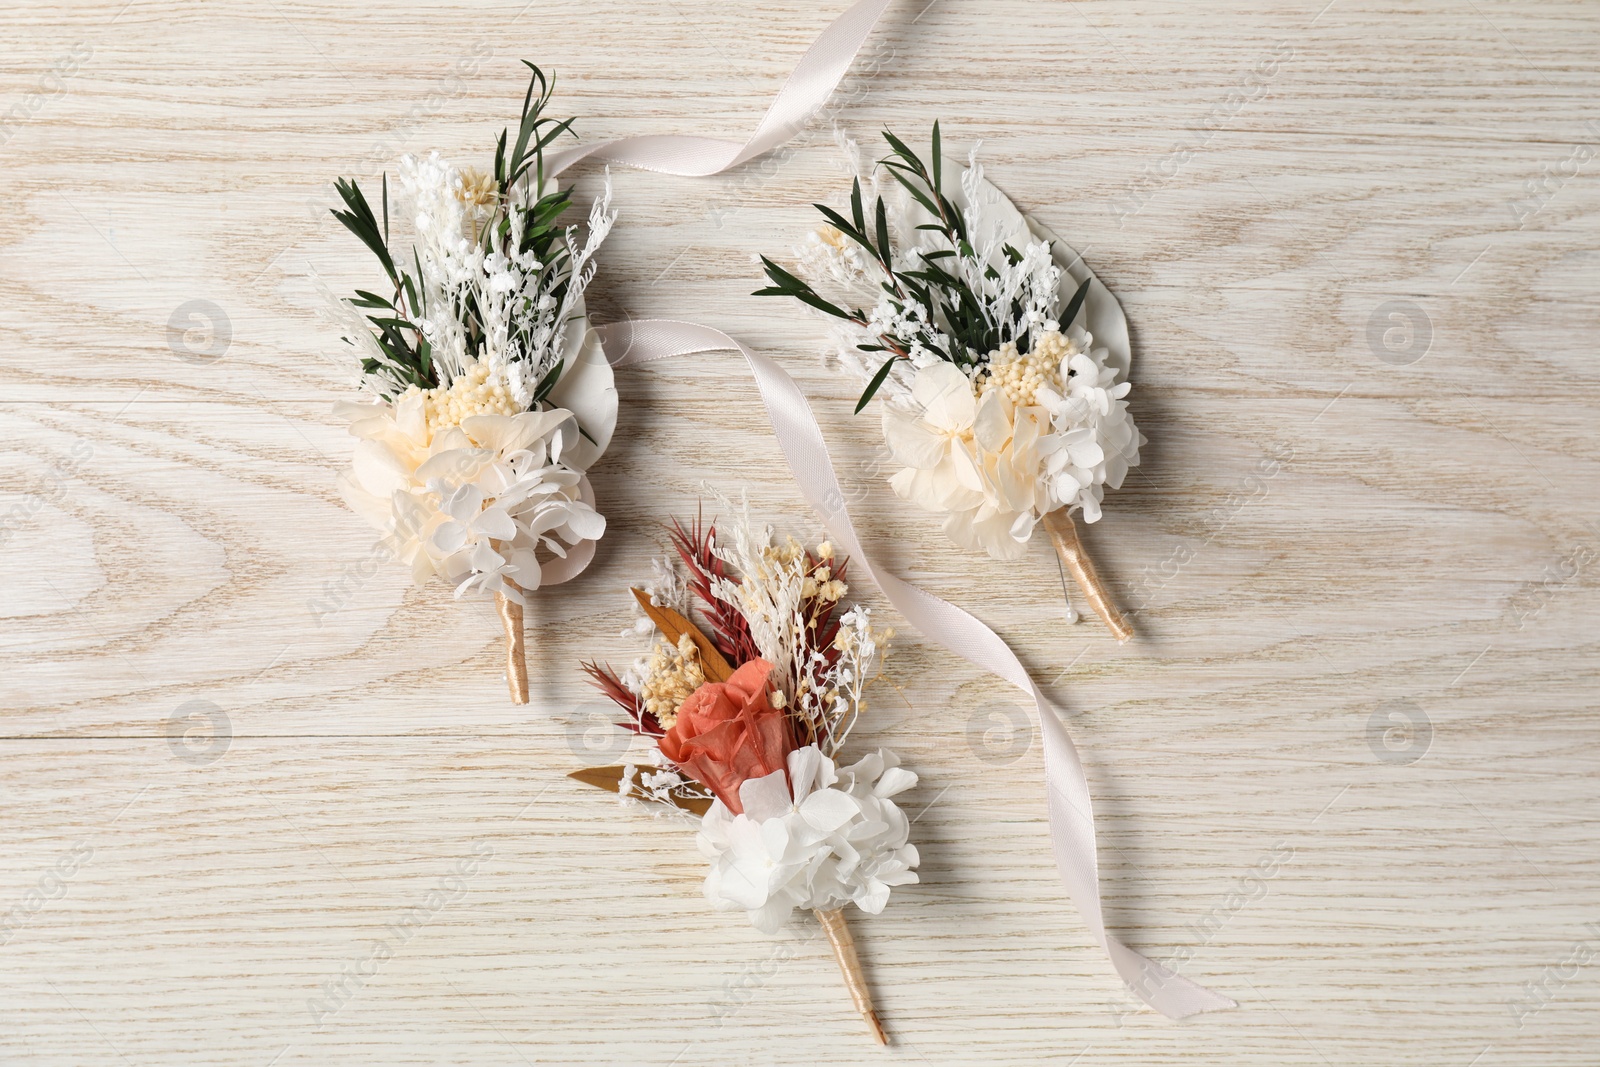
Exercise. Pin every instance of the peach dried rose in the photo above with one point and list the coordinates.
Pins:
(728, 732)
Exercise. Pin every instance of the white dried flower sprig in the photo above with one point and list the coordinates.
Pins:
(789, 607)
(491, 279)
(745, 718)
(487, 298)
(777, 586)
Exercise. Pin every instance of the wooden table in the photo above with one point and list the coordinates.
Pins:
(1347, 773)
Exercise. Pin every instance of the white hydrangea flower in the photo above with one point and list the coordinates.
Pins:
(474, 503)
(814, 837)
(1093, 440)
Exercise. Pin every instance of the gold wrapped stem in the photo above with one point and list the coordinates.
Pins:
(844, 950)
(1064, 532)
(516, 651)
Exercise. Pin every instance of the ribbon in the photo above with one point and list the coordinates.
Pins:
(1071, 811)
(809, 85)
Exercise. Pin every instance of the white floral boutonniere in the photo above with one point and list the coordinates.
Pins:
(1002, 407)
(490, 394)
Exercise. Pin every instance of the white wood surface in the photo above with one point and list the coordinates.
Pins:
(1429, 542)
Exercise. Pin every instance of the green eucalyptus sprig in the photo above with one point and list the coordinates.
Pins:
(406, 356)
(929, 295)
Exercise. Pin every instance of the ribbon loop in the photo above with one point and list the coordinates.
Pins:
(808, 87)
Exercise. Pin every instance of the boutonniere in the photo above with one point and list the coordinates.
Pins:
(488, 394)
(1001, 362)
(744, 715)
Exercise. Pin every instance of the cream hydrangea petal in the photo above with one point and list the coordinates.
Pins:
(911, 441)
(456, 465)
(990, 534)
(804, 763)
(370, 506)
(745, 884)
(771, 918)
(967, 468)
(411, 417)
(1022, 526)
(845, 841)
(934, 490)
(378, 470)
(478, 502)
(585, 523)
(894, 780)
(828, 809)
(945, 395)
(991, 427)
(422, 568)
(874, 897)
(505, 434)
(766, 797)
(497, 524)
(450, 538)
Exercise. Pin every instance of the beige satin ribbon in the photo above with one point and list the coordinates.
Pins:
(855, 980)
(1071, 809)
(516, 652)
(1064, 532)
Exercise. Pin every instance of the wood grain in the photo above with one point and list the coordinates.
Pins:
(238, 753)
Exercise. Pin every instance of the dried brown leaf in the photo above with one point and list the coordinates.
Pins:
(608, 778)
(672, 625)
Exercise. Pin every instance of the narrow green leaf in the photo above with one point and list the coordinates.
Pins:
(808, 297)
(1070, 312)
(844, 227)
(883, 234)
(877, 383)
(548, 382)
